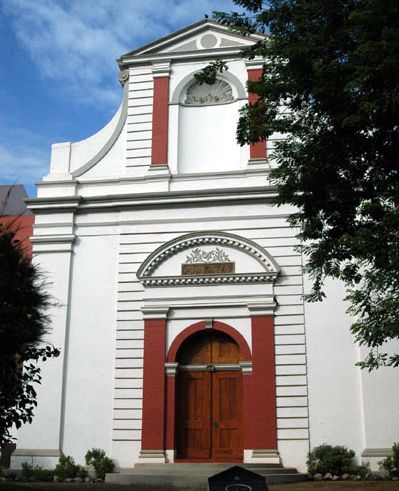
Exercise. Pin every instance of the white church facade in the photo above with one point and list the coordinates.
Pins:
(183, 332)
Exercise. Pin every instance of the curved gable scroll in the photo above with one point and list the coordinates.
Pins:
(208, 259)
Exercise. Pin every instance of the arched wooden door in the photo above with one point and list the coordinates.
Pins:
(209, 420)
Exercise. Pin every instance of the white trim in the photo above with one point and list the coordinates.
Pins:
(377, 452)
(262, 308)
(255, 64)
(155, 312)
(35, 452)
(53, 239)
(208, 280)
(262, 456)
(211, 367)
(182, 34)
(171, 369)
(152, 457)
(160, 69)
(246, 367)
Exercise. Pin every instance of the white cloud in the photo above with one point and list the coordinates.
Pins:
(76, 43)
(22, 164)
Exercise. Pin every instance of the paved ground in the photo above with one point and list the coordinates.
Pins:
(307, 486)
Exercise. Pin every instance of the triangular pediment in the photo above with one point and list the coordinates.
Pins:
(204, 35)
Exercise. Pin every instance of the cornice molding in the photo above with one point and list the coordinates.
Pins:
(209, 280)
(170, 198)
(123, 201)
(161, 69)
(262, 308)
(204, 55)
(377, 452)
(155, 312)
(181, 34)
(53, 243)
(53, 239)
(63, 203)
(242, 173)
(255, 64)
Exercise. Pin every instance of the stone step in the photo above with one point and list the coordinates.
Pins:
(196, 474)
(206, 465)
(201, 471)
(192, 481)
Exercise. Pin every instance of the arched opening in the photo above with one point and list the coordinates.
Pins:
(206, 117)
(209, 414)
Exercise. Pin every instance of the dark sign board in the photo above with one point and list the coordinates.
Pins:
(197, 269)
(237, 479)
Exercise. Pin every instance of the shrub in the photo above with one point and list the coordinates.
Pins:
(361, 470)
(82, 472)
(36, 473)
(391, 464)
(326, 458)
(66, 467)
(43, 475)
(27, 470)
(101, 463)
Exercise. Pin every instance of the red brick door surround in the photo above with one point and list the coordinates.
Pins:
(259, 387)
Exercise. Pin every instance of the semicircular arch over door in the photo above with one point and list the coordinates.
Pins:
(209, 401)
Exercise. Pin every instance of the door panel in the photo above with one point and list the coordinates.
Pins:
(194, 416)
(210, 348)
(227, 434)
(225, 350)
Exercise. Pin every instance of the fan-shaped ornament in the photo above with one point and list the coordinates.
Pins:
(204, 94)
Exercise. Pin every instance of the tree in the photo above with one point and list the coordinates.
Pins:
(23, 324)
(331, 87)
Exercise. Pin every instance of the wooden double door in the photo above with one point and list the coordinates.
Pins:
(209, 402)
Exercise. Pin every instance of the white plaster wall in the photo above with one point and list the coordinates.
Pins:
(44, 431)
(203, 139)
(91, 351)
(335, 396)
(206, 139)
(381, 404)
(113, 162)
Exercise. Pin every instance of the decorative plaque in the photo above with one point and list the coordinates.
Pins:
(200, 263)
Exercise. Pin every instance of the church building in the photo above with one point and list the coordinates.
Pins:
(183, 331)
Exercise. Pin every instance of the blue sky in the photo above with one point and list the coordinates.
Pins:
(58, 75)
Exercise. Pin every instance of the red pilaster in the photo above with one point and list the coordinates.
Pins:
(160, 115)
(257, 150)
(263, 386)
(154, 385)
